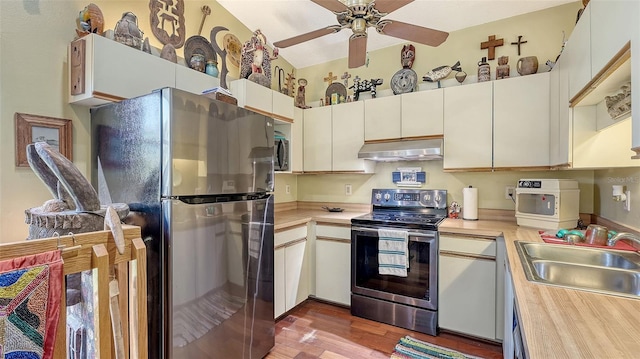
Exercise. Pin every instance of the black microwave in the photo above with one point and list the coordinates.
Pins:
(281, 155)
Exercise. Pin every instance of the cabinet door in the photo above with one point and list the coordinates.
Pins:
(467, 295)
(382, 118)
(560, 136)
(297, 141)
(193, 81)
(296, 274)
(279, 293)
(468, 126)
(347, 136)
(422, 113)
(612, 24)
(521, 121)
(282, 106)
(577, 53)
(317, 139)
(333, 271)
(252, 96)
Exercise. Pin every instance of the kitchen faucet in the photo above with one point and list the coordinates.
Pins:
(612, 241)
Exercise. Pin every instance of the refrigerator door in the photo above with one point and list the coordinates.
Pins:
(220, 268)
(214, 147)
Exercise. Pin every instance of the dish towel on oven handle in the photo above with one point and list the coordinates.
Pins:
(393, 252)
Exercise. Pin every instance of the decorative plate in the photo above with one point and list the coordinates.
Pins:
(198, 45)
(338, 88)
(404, 81)
(233, 46)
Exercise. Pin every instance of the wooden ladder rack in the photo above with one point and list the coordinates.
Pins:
(97, 250)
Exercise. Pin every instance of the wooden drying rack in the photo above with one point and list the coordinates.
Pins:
(97, 250)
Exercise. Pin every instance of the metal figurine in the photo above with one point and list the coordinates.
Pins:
(167, 14)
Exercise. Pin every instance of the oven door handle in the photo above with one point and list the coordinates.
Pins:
(417, 236)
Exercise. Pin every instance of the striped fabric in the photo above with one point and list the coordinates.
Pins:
(412, 348)
(393, 252)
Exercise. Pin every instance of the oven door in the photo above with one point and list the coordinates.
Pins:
(418, 289)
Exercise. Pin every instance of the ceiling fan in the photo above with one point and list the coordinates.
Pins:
(358, 15)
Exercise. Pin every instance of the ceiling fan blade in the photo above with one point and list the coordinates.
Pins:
(306, 37)
(357, 50)
(387, 6)
(331, 5)
(419, 34)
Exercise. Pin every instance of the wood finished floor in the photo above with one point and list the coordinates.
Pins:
(319, 330)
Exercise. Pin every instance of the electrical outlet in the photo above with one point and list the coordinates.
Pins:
(509, 192)
(287, 189)
(347, 190)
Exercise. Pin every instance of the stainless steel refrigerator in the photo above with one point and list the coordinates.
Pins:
(197, 174)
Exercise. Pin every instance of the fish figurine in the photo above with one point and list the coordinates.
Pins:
(441, 72)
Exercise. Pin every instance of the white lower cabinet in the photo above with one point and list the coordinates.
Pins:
(467, 286)
(291, 270)
(333, 263)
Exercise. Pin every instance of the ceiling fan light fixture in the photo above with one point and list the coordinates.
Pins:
(356, 2)
(359, 26)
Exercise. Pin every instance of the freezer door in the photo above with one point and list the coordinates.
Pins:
(220, 265)
(215, 147)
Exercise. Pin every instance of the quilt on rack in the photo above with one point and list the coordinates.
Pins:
(30, 294)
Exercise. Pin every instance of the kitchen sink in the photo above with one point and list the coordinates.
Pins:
(592, 269)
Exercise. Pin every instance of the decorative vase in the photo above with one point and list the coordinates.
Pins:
(527, 65)
(212, 68)
(197, 62)
(484, 70)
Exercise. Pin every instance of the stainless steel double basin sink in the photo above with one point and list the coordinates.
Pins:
(592, 269)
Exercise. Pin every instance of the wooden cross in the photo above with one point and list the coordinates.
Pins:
(329, 79)
(346, 77)
(491, 44)
(519, 42)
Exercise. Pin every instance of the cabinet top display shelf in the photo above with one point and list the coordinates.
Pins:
(608, 81)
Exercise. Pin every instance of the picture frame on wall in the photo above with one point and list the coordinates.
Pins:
(57, 132)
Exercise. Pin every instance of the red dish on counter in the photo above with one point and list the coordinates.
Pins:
(549, 238)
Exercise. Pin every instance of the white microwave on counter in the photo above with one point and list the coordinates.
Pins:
(548, 203)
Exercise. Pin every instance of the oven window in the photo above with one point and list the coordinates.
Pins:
(415, 285)
(536, 203)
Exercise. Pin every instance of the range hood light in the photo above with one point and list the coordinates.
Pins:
(402, 150)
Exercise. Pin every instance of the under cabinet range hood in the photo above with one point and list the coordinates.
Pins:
(414, 150)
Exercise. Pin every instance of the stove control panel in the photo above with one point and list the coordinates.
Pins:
(430, 198)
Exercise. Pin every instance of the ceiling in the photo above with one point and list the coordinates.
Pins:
(282, 19)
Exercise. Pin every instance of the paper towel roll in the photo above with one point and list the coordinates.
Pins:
(470, 203)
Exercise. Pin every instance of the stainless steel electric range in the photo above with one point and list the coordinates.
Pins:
(405, 299)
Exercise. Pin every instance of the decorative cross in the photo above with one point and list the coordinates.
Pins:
(329, 79)
(346, 77)
(519, 42)
(491, 44)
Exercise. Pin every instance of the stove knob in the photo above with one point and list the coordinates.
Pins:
(378, 196)
(387, 197)
(427, 197)
(438, 198)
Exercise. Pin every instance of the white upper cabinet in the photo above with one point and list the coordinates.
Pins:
(102, 70)
(521, 121)
(612, 25)
(578, 53)
(282, 107)
(348, 137)
(468, 126)
(382, 118)
(317, 139)
(422, 113)
(252, 96)
(296, 141)
(560, 116)
(194, 81)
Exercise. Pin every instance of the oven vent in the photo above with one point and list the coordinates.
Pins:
(415, 150)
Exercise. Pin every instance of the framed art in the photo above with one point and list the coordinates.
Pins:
(56, 132)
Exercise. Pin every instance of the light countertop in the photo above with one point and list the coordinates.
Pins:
(555, 322)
